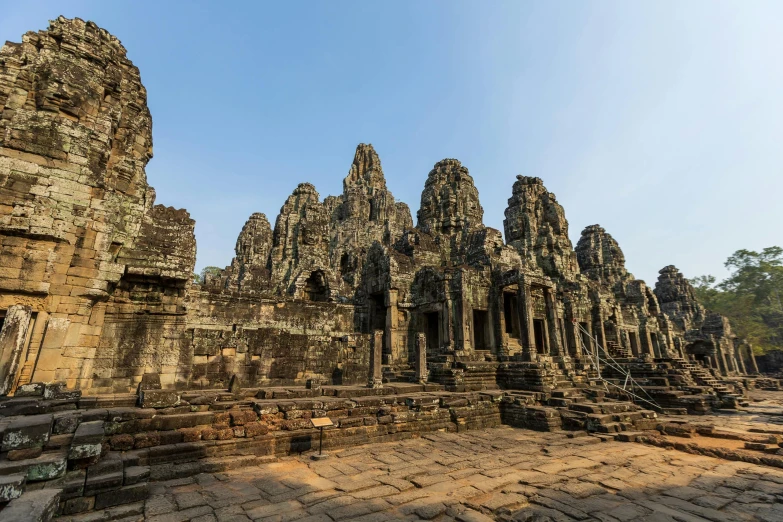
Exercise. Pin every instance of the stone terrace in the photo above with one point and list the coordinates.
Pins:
(495, 474)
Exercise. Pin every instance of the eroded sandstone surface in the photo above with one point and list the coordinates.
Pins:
(118, 372)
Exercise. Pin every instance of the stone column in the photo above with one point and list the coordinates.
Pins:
(12, 341)
(525, 313)
(723, 367)
(376, 353)
(648, 340)
(600, 333)
(447, 325)
(554, 341)
(391, 326)
(503, 339)
(421, 358)
(576, 338)
(741, 361)
(752, 358)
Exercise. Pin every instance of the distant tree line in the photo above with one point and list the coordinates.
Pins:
(751, 297)
(202, 277)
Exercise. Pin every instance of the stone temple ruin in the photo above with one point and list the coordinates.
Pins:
(115, 366)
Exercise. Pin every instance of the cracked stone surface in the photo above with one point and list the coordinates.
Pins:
(496, 474)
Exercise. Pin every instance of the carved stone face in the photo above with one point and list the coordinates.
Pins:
(309, 235)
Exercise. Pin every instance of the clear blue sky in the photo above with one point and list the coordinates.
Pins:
(661, 121)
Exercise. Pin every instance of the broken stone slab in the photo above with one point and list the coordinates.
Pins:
(48, 466)
(87, 440)
(158, 398)
(32, 506)
(12, 486)
(124, 495)
(66, 422)
(33, 389)
(150, 381)
(26, 453)
(136, 474)
(59, 391)
(27, 432)
(235, 384)
(21, 406)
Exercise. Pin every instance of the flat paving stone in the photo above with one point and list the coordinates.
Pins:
(501, 473)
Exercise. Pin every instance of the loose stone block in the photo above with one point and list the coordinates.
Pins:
(32, 506)
(159, 398)
(27, 432)
(87, 440)
(12, 486)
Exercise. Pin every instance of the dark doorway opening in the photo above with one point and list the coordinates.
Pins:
(377, 312)
(480, 330)
(316, 288)
(433, 331)
(634, 343)
(538, 330)
(378, 319)
(584, 336)
(655, 346)
(511, 314)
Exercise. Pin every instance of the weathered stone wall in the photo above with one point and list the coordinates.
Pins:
(271, 342)
(106, 274)
(76, 212)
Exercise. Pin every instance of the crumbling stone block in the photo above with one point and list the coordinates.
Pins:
(159, 398)
(27, 432)
(33, 506)
(12, 486)
(87, 440)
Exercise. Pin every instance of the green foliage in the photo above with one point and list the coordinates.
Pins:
(206, 271)
(751, 297)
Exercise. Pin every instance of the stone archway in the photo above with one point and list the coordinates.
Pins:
(316, 287)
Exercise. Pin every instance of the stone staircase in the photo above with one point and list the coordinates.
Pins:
(618, 351)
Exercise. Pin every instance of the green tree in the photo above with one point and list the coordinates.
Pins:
(206, 271)
(750, 297)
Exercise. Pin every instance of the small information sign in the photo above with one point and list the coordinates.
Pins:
(322, 422)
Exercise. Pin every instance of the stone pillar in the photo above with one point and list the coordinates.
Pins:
(741, 361)
(447, 325)
(555, 343)
(600, 333)
(575, 335)
(13, 337)
(391, 326)
(525, 312)
(421, 358)
(752, 359)
(502, 341)
(647, 346)
(376, 353)
(723, 367)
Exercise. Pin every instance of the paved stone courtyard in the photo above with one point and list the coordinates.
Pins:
(496, 474)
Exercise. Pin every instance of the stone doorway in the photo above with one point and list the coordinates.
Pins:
(511, 314)
(538, 331)
(316, 288)
(432, 320)
(634, 343)
(480, 330)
